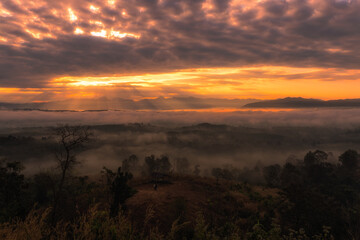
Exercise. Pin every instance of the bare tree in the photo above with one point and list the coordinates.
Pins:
(70, 140)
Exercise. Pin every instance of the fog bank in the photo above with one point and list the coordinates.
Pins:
(343, 118)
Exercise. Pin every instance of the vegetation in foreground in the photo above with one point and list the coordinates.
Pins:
(307, 199)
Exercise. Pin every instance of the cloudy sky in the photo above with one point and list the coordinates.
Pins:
(265, 49)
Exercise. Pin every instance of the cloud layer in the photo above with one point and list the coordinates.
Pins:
(45, 39)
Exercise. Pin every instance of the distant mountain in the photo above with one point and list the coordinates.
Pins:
(304, 103)
(99, 104)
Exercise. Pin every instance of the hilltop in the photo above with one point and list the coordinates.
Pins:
(220, 202)
(304, 103)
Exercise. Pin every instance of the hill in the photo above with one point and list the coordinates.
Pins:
(185, 198)
(304, 103)
(160, 103)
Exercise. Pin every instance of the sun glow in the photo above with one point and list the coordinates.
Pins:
(261, 82)
(264, 82)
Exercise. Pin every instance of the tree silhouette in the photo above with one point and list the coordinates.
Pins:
(163, 164)
(182, 165)
(70, 140)
(160, 165)
(217, 173)
(11, 180)
(314, 158)
(130, 164)
(350, 159)
(150, 164)
(272, 175)
(120, 191)
(197, 170)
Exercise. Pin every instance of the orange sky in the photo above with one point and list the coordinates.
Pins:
(264, 49)
(261, 82)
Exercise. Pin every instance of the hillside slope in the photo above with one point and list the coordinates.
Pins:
(185, 198)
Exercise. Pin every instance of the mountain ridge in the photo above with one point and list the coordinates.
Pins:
(299, 102)
(160, 103)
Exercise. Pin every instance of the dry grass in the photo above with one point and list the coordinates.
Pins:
(95, 224)
(163, 214)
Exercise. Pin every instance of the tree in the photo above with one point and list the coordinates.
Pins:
(160, 165)
(130, 164)
(120, 191)
(290, 176)
(350, 159)
(163, 164)
(43, 183)
(315, 158)
(150, 164)
(272, 175)
(182, 165)
(11, 190)
(217, 173)
(70, 140)
(197, 170)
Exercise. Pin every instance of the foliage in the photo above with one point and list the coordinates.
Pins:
(350, 159)
(157, 165)
(272, 175)
(317, 198)
(70, 140)
(130, 164)
(182, 165)
(119, 190)
(12, 192)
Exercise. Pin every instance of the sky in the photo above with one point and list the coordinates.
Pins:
(53, 50)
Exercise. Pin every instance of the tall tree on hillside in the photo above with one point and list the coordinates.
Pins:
(70, 140)
(119, 190)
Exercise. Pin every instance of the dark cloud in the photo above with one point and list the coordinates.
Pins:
(38, 42)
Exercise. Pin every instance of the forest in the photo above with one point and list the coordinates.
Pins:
(158, 196)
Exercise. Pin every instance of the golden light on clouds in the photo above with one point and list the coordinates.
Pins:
(102, 33)
(19, 94)
(111, 2)
(39, 28)
(94, 9)
(265, 82)
(209, 48)
(78, 31)
(4, 12)
(118, 34)
(72, 15)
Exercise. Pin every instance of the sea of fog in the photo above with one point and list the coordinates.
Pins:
(236, 138)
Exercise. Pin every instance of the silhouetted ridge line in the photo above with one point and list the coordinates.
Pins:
(304, 103)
